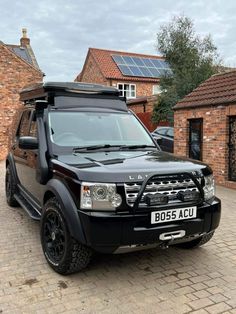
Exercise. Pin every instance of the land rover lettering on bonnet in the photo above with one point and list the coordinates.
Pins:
(84, 166)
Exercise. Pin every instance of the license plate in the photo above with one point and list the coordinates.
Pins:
(173, 214)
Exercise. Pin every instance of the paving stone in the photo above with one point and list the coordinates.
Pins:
(201, 311)
(218, 308)
(200, 303)
(172, 281)
(216, 298)
(202, 294)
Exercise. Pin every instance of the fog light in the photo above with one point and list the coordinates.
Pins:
(156, 199)
(188, 196)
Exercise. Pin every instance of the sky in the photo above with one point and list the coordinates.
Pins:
(62, 31)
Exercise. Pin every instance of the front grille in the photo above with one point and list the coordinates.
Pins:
(170, 186)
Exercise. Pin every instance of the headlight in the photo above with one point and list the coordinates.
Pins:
(101, 196)
(209, 187)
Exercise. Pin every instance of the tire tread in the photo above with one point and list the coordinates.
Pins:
(11, 201)
(78, 255)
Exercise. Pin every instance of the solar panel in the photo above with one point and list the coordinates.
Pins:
(155, 72)
(136, 71)
(125, 70)
(138, 61)
(148, 63)
(128, 60)
(118, 59)
(146, 72)
(142, 67)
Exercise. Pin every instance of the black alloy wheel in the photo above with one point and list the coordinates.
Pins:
(62, 252)
(54, 237)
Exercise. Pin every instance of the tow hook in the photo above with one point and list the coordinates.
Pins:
(165, 245)
(169, 237)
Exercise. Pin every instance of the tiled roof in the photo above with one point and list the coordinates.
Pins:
(25, 53)
(218, 89)
(110, 70)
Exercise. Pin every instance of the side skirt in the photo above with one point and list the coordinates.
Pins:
(28, 204)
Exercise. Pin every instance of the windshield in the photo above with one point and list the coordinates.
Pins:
(81, 129)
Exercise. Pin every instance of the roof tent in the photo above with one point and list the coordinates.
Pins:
(74, 95)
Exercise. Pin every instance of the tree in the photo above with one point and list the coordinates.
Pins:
(192, 60)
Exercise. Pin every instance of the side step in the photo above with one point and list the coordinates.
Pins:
(33, 213)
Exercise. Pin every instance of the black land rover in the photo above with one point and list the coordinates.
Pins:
(85, 166)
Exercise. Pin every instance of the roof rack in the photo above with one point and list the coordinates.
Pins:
(74, 95)
(42, 90)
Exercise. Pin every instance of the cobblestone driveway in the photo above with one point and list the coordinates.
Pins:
(154, 281)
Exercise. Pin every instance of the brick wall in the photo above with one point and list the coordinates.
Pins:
(14, 75)
(142, 88)
(215, 137)
(91, 73)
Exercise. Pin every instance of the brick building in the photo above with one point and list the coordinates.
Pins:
(18, 67)
(205, 126)
(137, 76)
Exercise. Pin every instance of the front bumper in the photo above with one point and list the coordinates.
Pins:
(107, 232)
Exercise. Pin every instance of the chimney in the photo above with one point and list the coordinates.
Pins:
(24, 41)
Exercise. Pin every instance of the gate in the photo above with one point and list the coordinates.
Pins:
(232, 148)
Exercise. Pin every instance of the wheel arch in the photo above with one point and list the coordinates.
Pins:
(56, 188)
(10, 162)
(48, 194)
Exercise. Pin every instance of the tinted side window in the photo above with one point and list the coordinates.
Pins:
(13, 131)
(161, 131)
(33, 126)
(23, 129)
(170, 133)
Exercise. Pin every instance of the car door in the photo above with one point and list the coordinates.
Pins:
(20, 155)
(164, 139)
(25, 159)
(32, 185)
(159, 136)
(169, 140)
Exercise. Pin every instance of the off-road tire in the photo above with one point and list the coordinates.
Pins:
(76, 256)
(10, 188)
(197, 242)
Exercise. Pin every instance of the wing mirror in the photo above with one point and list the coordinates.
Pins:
(158, 139)
(28, 142)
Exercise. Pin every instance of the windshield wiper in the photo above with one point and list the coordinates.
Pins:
(121, 147)
(94, 147)
(136, 146)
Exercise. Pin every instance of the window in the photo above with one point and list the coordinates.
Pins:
(74, 128)
(161, 131)
(33, 126)
(195, 138)
(24, 124)
(127, 90)
(156, 89)
(170, 133)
